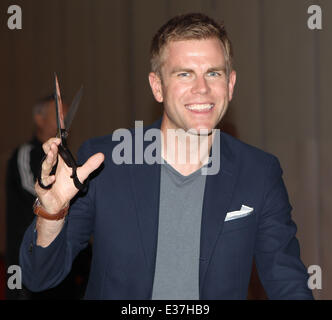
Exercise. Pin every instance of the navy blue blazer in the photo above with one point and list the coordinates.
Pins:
(120, 211)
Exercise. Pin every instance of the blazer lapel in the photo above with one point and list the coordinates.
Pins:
(146, 187)
(217, 199)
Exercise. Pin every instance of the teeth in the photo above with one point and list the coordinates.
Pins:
(200, 107)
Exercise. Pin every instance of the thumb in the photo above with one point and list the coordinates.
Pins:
(90, 165)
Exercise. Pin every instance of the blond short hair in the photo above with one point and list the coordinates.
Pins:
(192, 26)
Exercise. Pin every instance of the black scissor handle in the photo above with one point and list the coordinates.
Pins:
(71, 163)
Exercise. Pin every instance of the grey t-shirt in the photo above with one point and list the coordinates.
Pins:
(180, 212)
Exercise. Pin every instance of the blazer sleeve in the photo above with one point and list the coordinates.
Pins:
(44, 268)
(277, 250)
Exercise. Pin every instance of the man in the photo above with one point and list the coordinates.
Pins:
(164, 230)
(22, 170)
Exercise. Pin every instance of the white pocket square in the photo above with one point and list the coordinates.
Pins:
(243, 212)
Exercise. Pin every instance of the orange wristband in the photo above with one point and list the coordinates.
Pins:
(41, 212)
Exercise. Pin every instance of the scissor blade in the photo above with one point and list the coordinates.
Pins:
(59, 109)
(73, 108)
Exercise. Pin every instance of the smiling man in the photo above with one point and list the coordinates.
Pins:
(193, 83)
(165, 230)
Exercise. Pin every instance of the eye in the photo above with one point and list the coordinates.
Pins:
(183, 74)
(214, 74)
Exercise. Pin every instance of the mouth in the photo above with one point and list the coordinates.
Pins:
(200, 107)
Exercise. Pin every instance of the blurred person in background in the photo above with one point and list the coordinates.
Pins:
(22, 171)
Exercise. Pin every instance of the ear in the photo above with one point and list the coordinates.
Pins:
(231, 84)
(156, 87)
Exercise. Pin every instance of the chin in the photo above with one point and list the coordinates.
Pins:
(200, 130)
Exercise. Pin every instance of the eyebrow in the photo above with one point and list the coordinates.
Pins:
(218, 68)
(179, 69)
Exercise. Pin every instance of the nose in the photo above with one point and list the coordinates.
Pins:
(200, 86)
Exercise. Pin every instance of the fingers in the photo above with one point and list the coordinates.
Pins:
(90, 165)
(47, 145)
(50, 161)
(50, 148)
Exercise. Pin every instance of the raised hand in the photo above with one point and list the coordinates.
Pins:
(63, 188)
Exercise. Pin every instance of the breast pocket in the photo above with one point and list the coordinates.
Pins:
(239, 223)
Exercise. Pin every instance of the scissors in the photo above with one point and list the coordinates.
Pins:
(63, 125)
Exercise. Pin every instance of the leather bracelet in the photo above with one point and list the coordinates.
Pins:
(41, 212)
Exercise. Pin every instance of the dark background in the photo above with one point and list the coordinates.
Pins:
(282, 100)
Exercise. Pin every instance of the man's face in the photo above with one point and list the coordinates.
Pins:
(194, 86)
(46, 121)
(50, 125)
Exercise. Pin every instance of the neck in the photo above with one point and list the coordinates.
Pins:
(184, 151)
